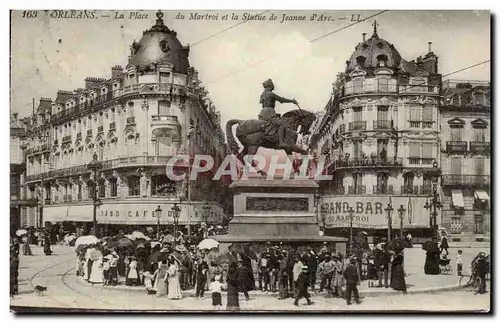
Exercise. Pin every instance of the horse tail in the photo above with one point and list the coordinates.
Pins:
(231, 140)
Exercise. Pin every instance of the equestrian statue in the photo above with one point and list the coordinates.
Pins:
(271, 130)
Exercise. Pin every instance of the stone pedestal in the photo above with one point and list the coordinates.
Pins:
(274, 211)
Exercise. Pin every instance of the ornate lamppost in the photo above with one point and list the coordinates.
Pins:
(94, 166)
(206, 212)
(351, 217)
(158, 217)
(175, 214)
(401, 214)
(433, 202)
(389, 210)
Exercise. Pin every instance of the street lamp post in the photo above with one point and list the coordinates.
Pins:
(433, 203)
(206, 212)
(389, 210)
(401, 214)
(158, 217)
(94, 166)
(351, 217)
(175, 214)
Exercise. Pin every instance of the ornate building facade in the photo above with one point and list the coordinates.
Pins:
(381, 134)
(154, 108)
(465, 158)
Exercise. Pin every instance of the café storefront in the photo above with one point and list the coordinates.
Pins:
(126, 215)
(370, 215)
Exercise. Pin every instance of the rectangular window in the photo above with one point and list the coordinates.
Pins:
(478, 224)
(358, 113)
(427, 113)
(456, 133)
(357, 180)
(479, 99)
(382, 113)
(113, 187)
(415, 113)
(414, 149)
(427, 184)
(164, 107)
(133, 186)
(382, 179)
(383, 85)
(479, 166)
(356, 149)
(358, 86)
(102, 189)
(382, 149)
(164, 77)
(408, 179)
(427, 150)
(456, 225)
(479, 135)
(79, 191)
(456, 166)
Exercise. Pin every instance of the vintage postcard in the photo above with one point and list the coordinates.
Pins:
(262, 161)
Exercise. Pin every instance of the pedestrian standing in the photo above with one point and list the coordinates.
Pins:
(338, 279)
(160, 284)
(14, 268)
(26, 246)
(233, 303)
(216, 289)
(283, 276)
(398, 282)
(327, 270)
(459, 262)
(245, 279)
(113, 268)
(444, 243)
(105, 271)
(302, 285)
(372, 271)
(201, 277)
(382, 260)
(351, 275)
(482, 270)
(297, 269)
(174, 286)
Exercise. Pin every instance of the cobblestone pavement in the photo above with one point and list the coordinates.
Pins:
(65, 292)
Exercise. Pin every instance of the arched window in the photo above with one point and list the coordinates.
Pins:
(113, 186)
(130, 143)
(102, 188)
(358, 85)
(90, 185)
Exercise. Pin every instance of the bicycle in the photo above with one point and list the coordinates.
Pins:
(471, 280)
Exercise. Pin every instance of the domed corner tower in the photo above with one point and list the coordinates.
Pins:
(374, 52)
(159, 44)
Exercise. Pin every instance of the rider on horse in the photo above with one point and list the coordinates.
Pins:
(268, 100)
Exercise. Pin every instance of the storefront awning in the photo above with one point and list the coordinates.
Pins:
(65, 213)
(482, 195)
(457, 198)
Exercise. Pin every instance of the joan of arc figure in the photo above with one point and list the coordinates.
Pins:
(268, 100)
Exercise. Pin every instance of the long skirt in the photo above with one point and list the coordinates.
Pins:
(233, 303)
(174, 288)
(85, 269)
(161, 287)
(431, 266)
(97, 275)
(398, 278)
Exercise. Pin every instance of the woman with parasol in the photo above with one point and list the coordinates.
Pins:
(160, 278)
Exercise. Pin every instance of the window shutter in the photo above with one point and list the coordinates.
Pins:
(415, 113)
(479, 166)
(427, 150)
(414, 150)
(456, 166)
(427, 113)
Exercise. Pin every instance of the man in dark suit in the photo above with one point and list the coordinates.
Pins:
(382, 260)
(302, 285)
(482, 269)
(201, 277)
(351, 278)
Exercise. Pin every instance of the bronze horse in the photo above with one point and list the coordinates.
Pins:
(252, 135)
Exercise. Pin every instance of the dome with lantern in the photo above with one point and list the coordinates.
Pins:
(373, 53)
(159, 44)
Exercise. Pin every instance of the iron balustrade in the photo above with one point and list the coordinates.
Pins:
(456, 147)
(480, 147)
(383, 189)
(357, 125)
(466, 180)
(382, 125)
(357, 190)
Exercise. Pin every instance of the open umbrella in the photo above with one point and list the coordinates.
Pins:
(86, 240)
(138, 235)
(21, 232)
(150, 229)
(130, 237)
(95, 255)
(168, 239)
(208, 244)
(79, 248)
(181, 248)
(119, 242)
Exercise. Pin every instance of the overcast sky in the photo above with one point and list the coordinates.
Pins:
(52, 54)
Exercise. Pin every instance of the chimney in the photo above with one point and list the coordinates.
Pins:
(116, 71)
(430, 46)
(364, 36)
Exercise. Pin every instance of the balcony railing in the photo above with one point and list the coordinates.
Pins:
(427, 125)
(66, 139)
(68, 198)
(358, 190)
(130, 120)
(420, 161)
(368, 162)
(382, 125)
(456, 147)
(164, 118)
(480, 148)
(411, 190)
(466, 180)
(357, 125)
(383, 190)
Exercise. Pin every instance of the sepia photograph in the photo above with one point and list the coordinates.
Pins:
(262, 161)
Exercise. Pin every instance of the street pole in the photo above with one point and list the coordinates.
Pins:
(158, 226)
(351, 217)
(94, 195)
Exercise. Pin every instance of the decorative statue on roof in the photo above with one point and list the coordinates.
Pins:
(270, 130)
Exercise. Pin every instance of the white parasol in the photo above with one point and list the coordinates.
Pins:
(86, 240)
(139, 235)
(208, 244)
(21, 232)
